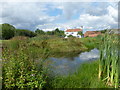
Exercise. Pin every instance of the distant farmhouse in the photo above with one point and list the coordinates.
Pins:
(92, 33)
(73, 32)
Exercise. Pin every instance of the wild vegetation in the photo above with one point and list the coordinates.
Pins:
(20, 68)
(7, 31)
(23, 32)
(24, 54)
(108, 62)
(85, 77)
(102, 73)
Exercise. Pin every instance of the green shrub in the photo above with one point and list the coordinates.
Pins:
(41, 32)
(71, 36)
(21, 71)
(8, 31)
(23, 32)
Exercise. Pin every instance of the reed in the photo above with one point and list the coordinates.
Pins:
(108, 62)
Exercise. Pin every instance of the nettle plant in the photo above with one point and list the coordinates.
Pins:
(19, 71)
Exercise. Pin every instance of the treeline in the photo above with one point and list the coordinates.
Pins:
(54, 32)
(8, 31)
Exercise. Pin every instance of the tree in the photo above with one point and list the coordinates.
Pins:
(8, 31)
(104, 31)
(80, 33)
(24, 32)
(57, 31)
(41, 32)
(50, 32)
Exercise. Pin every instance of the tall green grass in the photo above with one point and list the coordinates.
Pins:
(85, 77)
(108, 63)
(67, 45)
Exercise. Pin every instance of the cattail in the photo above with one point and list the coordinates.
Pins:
(108, 62)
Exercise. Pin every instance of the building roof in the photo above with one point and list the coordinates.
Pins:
(73, 30)
(92, 33)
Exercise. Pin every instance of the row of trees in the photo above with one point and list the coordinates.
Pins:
(8, 31)
(54, 32)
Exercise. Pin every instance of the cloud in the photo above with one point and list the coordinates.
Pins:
(93, 54)
(25, 15)
(91, 15)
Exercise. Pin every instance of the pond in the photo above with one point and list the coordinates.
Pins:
(69, 64)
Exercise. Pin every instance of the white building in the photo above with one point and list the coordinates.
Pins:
(73, 32)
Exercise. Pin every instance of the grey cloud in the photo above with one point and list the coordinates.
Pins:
(25, 15)
(30, 15)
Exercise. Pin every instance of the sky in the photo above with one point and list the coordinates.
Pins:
(63, 15)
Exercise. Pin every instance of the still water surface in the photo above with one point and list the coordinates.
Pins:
(68, 65)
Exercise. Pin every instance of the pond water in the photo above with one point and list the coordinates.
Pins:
(69, 64)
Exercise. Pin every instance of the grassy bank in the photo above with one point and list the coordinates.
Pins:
(85, 77)
(20, 53)
(53, 44)
(56, 44)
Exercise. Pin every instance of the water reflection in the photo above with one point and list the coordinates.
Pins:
(93, 54)
(67, 65)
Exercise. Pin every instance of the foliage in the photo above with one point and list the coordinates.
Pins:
(80, 33)
(19, 38)
(108, 63)
(57, 44)
(91, 42)
(41, 32)
(20, 70)
(104, 31)
(57, 32)
(0, 32)
(8, 31)
(24, 32)
(50, 32)
(71, 36)
(85, 77)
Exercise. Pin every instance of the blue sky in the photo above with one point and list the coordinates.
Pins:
(62, 15)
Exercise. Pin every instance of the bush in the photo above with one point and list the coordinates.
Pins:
(56, 32)
(21, 71)
(41, 32)
(71, 36)
(8, 31)
(23, 32)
